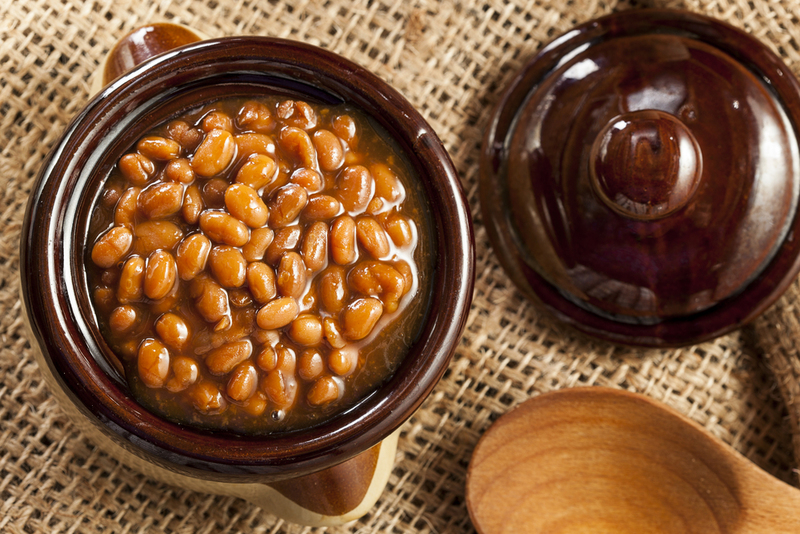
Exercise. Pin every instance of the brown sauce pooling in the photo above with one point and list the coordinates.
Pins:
(260, 265)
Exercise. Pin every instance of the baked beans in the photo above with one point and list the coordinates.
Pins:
(261, 265)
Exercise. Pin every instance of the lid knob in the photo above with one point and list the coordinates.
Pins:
(645, 164)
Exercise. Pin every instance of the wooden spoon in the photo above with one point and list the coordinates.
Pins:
(599, 460)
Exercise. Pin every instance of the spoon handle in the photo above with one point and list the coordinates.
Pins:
(777, 333)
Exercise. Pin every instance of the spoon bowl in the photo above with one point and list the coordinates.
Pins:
(602, 460)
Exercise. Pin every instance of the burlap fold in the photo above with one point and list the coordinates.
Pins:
(450, 59)
(776, 335)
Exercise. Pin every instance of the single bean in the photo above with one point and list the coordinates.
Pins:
(185, 372)
(308, 179)
(160, 275)
(267, 359)
(407, 273)
(240, 297)
(345, 128)
(286, 239)
(266, 337)
(112, 246)
(255, 116)
(155, 235)
(376, 206)
(280, 388)
(298, 146)
(256, 404)
(315, 246)
(131, 280)
(158, 148)
(306, 330)
(128, 349)
(211, 300)
(333, 333)
(399, 230)
(277, 313)
(359, 317)
(343, 240)
(104, 299)
(217, 120)
(214, 153)
(125, 212)
(136, 168)
(192, 204)
(343, 361)
(322, 207)
(243, 382)
(372, 237)
(298, 114)
(244, 203)
(228, 266)
(214, 193)
(123, 319)
(362, 279)
(378, 279)
(282, 177)
(111, 195)
(310, 364)
(172, 330)
(160, 200)
(286, 205)
(192, 256)
(179, 171)
(260, 239)
(291, 277)
(257, 171)
(330, 152)
(332, 288)
(387, 184)
(109, 277)
(353, 158)
(261, 281)
(354, 188)
(184, 134)
(223, 228)
(287, 359)
(207, 398)
(153, 363)
(222, 360)
(323, 391)
(166, 303)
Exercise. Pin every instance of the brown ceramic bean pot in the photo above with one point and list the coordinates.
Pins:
(328, 474)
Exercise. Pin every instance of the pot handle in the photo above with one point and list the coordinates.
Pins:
(140, 45)
(334, 496)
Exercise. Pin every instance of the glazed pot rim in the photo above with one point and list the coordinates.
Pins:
(61, 328)
(723, 317)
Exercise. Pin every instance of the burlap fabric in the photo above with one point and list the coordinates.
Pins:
(450, 59)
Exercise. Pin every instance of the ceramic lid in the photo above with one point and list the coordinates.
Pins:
(640, 177)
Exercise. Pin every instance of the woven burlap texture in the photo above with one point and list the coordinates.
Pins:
(450, 59)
